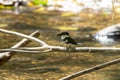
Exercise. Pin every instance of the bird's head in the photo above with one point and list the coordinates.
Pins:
(63, 33)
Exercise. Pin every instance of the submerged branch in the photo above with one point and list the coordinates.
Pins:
(100, 66)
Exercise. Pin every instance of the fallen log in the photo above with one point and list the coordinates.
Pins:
(5, 56)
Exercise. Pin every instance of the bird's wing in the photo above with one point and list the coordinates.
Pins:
(72, 41)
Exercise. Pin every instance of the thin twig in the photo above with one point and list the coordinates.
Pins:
(24, 36)
(101, 66)
(18, 50)
(42, 43)
(5, 56)
(96, 48)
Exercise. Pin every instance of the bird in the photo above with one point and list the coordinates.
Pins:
(108, 36)
(66, 38)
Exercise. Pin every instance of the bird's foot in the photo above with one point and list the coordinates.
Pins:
(70, 49)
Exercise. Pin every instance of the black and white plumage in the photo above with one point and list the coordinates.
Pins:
(109, 36)
(65, 37)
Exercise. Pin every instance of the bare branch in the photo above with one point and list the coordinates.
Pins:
(5, 56)
(24, 36)
(18, 50)
(43, 47)
(27, 50)
(79, 73)
(42, 43)
(96, 48)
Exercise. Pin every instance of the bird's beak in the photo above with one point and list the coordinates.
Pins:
(59, 34)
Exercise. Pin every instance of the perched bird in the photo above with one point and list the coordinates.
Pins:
(65, 37)
(108, 36)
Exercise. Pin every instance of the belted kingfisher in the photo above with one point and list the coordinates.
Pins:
(65, 37)
(108, 36)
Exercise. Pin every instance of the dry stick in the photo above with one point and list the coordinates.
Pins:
(56, 48)
(79, 73)
(24, 36)
(96, 48)
(42, 43)
(5, 56)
